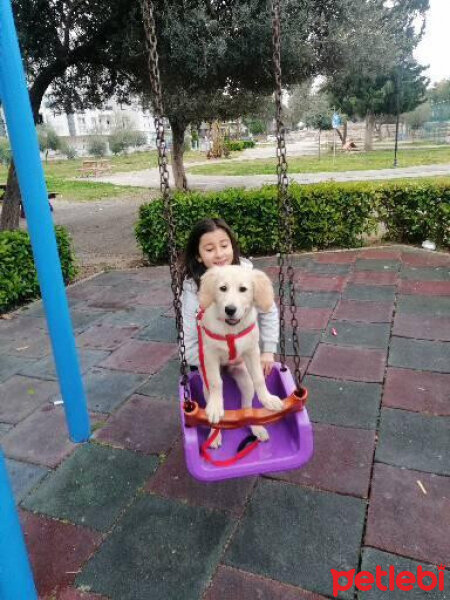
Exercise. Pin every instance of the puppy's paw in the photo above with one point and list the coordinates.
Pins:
(260, 432)
(214, 410)
(272, 402)
(218, 441)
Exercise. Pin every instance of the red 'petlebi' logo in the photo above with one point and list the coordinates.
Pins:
(388, 580)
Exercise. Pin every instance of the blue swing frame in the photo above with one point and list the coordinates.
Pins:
(16, 579)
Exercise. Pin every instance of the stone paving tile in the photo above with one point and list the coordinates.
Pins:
(173, 480)
(415, 441)
(160, 330)
(92, 487)
(329, 268)
(418, 391)
(163, 384)
(312, 318)
(383, 293)
(427, 288)
(73, 594)
(4, 428)
(309, 340)
(357, 364)
(304, 362)
(231, 584)
(434, 305)
(380, 264)
(155, 297)
(372, 557)
(105, 337)
(367, 335)
(143, 425)
(341, 462)
(425, 259)
(82, 319)
(320, 283)
(140, 357)
(113, 277)
(106, 389)
(419, 354)
(33, 349)
(422, 327)
(132, 317)
(426, 273)
(346, 403)
(161, 549)
(336, 257)
(373, 278)
(11, 365)
(85, 290)
(383, 254)
(41, 438)
(317, 300)
(111, 298)
(45, 368)
(56, 550)
(403, 520)
(364, 311)
(296, 535)
(20, 396)
(19, 328)
(23, 477)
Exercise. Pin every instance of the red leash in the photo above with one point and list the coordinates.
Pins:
(230, 339)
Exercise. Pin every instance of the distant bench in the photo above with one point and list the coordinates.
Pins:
(94, 167)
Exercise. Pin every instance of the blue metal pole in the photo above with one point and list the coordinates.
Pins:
(16, 578)
(25, 149)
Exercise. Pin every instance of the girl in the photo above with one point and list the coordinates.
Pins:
(212, 243)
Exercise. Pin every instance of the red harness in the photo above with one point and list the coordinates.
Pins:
(230, 339)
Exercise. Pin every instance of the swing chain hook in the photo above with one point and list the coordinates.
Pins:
(286, 211)
(157, 99)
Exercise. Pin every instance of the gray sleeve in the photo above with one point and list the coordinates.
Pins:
(269, 330)
(189, 308)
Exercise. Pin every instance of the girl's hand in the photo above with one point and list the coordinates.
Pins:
(267, 361)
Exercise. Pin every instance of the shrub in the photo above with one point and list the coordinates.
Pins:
(325, 216)
(18, 277)
(238, 145)
(96, 146)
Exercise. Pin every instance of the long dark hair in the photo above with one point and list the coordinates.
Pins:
(189, 264)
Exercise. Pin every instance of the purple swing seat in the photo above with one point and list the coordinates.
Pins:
(291, 439)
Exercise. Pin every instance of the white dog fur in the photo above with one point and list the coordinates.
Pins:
(223, 289)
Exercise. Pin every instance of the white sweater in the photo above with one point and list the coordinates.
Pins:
(268, 322)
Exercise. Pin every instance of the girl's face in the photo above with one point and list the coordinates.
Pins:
(215, 249)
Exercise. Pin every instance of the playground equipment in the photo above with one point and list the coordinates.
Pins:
(16, 582)
(291, 440)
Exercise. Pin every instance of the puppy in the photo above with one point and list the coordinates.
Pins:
(229, 297)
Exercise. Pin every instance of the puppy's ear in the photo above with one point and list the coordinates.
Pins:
(262, 291)
(207, 290)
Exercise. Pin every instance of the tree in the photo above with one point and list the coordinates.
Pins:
(216, 57)
(417, 118)
(439, 97)
(320, 121)
(48, 139)
(73, 47)
(378, 71)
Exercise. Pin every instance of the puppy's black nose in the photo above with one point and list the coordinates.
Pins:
(230, 310)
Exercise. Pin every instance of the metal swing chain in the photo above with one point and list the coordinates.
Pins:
(285, 208)
(155, 81)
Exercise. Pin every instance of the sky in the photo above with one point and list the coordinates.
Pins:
(434, 49)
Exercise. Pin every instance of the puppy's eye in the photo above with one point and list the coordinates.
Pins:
(223, 288)
(242, 288)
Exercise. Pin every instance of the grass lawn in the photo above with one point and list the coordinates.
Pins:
(378, 159)
(61, 176)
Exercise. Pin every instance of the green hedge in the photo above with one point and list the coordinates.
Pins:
(238, 145)
(18, 277)
(326, 216)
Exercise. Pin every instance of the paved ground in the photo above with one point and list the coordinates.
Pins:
(119, 518)
(150, 177)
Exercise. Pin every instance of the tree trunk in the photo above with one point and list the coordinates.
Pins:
(370, 125)
(11, 202)
(178, 171)
(320, 131)
(11, 199)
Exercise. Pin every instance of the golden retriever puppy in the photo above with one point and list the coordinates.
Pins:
(229, 297)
